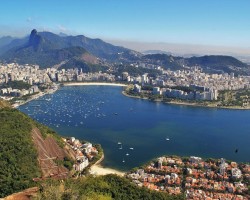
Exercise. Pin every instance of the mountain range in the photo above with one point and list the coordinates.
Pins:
(48, 49)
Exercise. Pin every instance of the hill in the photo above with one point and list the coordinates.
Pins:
(24, 142)
(5, 40)
(11, 43)
(219, 63)
(92, 188)
(48, 49)
(209, 64)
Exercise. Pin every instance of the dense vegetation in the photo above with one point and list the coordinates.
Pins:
(209, 64)
(16, 85)
(167, 61)
(86, 67)
(18, 155)
(95, 188)
(234, 98)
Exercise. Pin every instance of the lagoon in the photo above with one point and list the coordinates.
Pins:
(102, 114)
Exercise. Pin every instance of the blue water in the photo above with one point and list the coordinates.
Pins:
(101, 114)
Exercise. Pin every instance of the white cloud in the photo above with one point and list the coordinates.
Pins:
(29, 19)
(61, 28)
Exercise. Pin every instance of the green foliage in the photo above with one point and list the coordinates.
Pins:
(147, 87)
(86, 67)
(103, 187)
(167, 61)
(99, 155)
(234, 97)
(16, 85)
(18, 155)
(183, 88)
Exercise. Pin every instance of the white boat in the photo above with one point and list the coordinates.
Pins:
(119, 143)
(167, 139)
(131, 148)
(127, 154)
(123, 160)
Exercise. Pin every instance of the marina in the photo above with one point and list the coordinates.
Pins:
(149, 130)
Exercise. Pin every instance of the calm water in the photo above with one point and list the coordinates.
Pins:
(101, 114)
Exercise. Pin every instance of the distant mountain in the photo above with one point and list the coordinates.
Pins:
(209, 64)
(9, 42)
(48, 49)
(5, 40)
(63, 34)
(219, 63)
(156, 52)
(13, 44)
(164, 60)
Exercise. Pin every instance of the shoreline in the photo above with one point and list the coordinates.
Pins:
(187, 103)
(93, 83)
(98, 170)
(36, 96)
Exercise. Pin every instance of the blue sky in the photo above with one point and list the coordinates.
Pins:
(205, 22)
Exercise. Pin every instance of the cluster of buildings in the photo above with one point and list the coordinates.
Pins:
(10, 92)
(34, 76)
(204, 86)
(27, 73)
(198, 179)
(69, 75)
(83, 153)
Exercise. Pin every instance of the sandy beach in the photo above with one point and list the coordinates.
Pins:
(94, 83)
(100, 170)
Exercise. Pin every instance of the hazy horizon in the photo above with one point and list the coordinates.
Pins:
(219, 23)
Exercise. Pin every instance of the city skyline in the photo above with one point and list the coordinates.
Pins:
(223, 25)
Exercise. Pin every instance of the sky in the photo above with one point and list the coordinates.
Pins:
(224, 23)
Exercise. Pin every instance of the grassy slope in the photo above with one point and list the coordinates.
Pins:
(18, 154)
